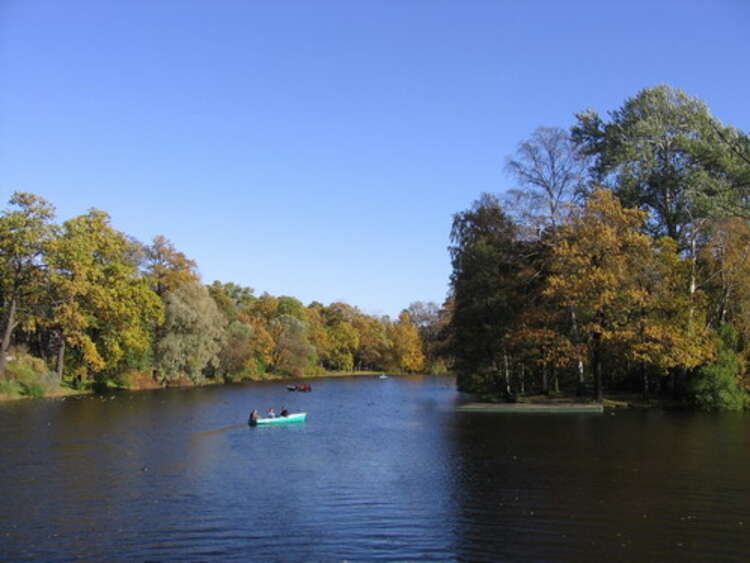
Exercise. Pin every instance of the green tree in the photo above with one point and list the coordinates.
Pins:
(487, 258)
(292, 350)
(652, 154)
(717, 386)
(25, 230)
(101, 307)
(193, 333)
(238, 354)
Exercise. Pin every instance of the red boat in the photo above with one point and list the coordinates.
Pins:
(306, 388)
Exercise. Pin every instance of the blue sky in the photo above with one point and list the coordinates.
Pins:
(319, 149)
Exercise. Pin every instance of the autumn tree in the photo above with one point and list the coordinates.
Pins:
(405, 352)
(166, 267)
(233, 300)
(237, 355)
(592, 273)
(100, 306)
(25, 231)
(373, 342)
(669, 331)
(292, 351)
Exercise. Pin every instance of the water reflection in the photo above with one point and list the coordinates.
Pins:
(637, 485)
(381, 469)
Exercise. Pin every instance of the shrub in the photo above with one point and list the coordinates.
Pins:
(30, 374)
(10, 389)
(717, 386)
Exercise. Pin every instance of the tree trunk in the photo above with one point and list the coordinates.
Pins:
(507, 375)
(581, 381)
(10, 321)
(60, 357)
(644, 376)
(556, 380)
(596, 363)
(523, 379)
(545, 383)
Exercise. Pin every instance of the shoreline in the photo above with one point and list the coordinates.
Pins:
(150, 385)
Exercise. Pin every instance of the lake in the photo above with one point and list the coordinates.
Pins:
(381, 469)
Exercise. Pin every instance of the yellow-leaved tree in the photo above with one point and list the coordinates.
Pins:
(406, 345)
(594, 272)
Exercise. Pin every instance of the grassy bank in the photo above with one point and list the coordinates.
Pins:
(135, 381)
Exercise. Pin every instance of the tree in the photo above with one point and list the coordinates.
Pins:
(344, 342)
(292, 349)
(725, 263)
(652, 154)
(238, 354)
(486, 256)
(193, 333)
(233, 300)
(100, 306)
(166, 267)
(405, 353)
(430, 321)
(717, 386)
(669, 331)
(592, 273)
(372, 342)
(550, 172)
(25, 231)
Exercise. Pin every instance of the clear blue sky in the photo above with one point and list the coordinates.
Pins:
(319, 149)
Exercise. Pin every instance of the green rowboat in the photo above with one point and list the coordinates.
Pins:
(296, 417)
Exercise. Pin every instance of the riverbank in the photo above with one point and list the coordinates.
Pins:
(561, 402)
(145, 382)
(533, 408)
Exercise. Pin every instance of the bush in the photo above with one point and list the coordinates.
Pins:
(10, 389)
(717, 386)
(31, 375)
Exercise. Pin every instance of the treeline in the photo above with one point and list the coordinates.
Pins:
(85, 305)
(623, 261)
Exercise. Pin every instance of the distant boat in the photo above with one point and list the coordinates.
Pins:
(296, 417)
(299, 388)
(383, 376)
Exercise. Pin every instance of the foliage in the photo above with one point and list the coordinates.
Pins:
(192, 334)
(716, 386)
(405, 353)
(292, 350)
(30, 374)
(651, 153)
(102, 308)
(166, 268)
(486, 281)
(237, 354)
(25, 231)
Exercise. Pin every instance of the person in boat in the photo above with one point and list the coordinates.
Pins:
(284, 412)
(271, 413)
(254, 416)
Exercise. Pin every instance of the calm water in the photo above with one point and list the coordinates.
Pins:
(382, 469)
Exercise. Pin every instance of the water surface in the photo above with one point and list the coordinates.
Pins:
(382, 469)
